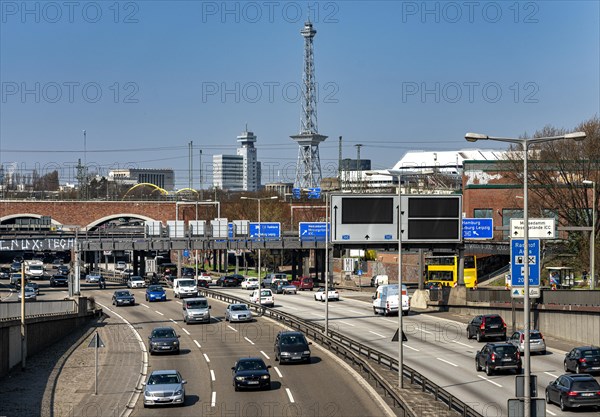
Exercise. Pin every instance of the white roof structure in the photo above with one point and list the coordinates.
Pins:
(448, 162)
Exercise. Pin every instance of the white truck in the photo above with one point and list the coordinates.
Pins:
(185, 287)
(34, 269)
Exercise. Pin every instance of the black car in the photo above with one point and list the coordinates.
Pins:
(123, 297)
(187, 272)
(15, 267)
(59, 281)
(498, 356)
(202, 283)
(62, 270)
(163, 339)
(251, 373)
(4, 273)
(486, 326)
(238, 277)
(227, 281)
(570, 391)
(583, 359)
(291, 346)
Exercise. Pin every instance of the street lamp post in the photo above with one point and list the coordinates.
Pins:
(258, 199)
(525, 142)
(593, 236)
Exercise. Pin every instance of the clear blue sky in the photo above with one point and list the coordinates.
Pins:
(394, 76)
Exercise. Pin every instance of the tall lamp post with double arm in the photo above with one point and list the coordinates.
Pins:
(259, 199)
(525, 143)
(592, 236)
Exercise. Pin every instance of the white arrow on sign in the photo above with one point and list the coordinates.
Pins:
(538, 228)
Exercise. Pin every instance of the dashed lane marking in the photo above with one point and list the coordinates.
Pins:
(212, 375)
(278, 373)
(289, 394)
(229, 327)
(185, 330)
(144, 305)
(206, 357)
(265, 355)
(248, 340)
(159, 312)
(197, 344)
(489, 380)
(376, 334)
(448, 362)
(410, 347)
(213, 400)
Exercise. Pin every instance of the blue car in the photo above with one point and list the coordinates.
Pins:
(156, 293)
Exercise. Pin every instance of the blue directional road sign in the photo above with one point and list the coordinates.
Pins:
(478, 228)
(313, 231)
(186, 253)
(268, 230)
(296, 193)
(517, 261)
(314, 192)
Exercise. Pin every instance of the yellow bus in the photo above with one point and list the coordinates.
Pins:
(444, 270)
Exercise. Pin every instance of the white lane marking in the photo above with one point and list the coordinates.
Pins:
(377, 334)
(206, 357)
(159, 312)
(265, 355)
(316, 314)
(552, 375)
(249, 341)
(197, 344)
(144, 305)
(185, 330)
(410, 347)
(236, 330)
(489, 380)
(180, 302)
(176, 322)
(213, 400)
(216, 318)
(425, 331)
(460, 343)
(278, 373)
(350, 324)
(212, 375)
(449, 363)
(289, 394)
(550, 412)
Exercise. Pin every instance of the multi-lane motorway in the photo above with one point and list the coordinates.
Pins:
(208, 351)
(437, 348)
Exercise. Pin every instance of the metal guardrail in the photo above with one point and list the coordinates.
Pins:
(548, 296)
(359, 354)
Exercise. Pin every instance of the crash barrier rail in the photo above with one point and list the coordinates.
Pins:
(12, 309)
(355, 352)
(548, 296)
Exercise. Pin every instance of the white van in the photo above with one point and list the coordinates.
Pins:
(385, 300)
(185, 287)
(378, 280)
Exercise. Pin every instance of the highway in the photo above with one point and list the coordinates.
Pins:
(436, 347)
(208, 351)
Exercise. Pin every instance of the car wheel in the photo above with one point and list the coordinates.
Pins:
(563, 407)
(185, 320)
(477, 366)
(235, 387)
(577, 369)
(374, 311)
(488, 370)
(478, 336)
(565, 367)
(316, 296)
(468, 335)
(548, 398)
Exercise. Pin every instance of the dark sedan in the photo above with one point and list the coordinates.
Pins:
(291, 346)
(583, 359)
(123, 297)
(498, 356)
(251, 373)
(62, 270)
(570, 391)
(227, 281)
(59, 281)
(163, 339)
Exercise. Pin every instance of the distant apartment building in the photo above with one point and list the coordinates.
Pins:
(240, 172)
(163, 178)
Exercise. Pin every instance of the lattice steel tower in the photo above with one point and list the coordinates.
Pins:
(308, 167)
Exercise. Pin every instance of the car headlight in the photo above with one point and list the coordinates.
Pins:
(285, 353)
(264, 377)
(147, 394)
(178, 392)
(307, 352)
(239, 378)
(175, 343)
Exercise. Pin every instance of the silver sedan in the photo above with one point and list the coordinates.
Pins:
(164, 388)
(238, 312)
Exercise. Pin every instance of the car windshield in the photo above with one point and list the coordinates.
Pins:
(239, 307)
(187, 282)
(591, 353)
(493, 320)
(122, 293)
(265, 293)
(197, 304)
(585, 385)
(535, 336)
(155, 288)
(251, 366)
(161, 333)
(293, 340)
(163, 379)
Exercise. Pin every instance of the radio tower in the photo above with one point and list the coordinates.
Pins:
(308, 167)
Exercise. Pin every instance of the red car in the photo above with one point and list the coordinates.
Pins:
(304, 283)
